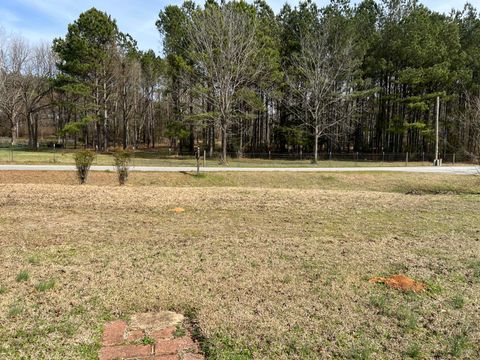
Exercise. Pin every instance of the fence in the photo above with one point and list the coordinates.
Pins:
(50, 152)
(347, 157)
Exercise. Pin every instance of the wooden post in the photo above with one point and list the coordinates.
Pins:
(197, 156)
(204, 158)
(406, 159)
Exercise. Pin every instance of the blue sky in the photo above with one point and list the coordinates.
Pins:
(39, 20)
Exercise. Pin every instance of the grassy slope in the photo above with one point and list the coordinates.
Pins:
(268, 269)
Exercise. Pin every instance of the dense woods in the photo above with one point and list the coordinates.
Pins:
(235, 78)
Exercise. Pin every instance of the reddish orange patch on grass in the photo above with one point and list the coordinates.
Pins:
(400, 282)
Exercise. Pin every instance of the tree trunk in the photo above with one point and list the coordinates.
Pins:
(212, 139)
(224, 144)
(31, 143)
(13, 131)
(105, 117)
(35, 131)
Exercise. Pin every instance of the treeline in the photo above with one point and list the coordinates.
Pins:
(236, 77)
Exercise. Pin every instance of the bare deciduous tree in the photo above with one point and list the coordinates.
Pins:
(323, 71)
(35, 87)
(14, 53)
(225, 50)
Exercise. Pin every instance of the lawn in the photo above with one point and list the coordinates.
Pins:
(161, 158)
(265, 266)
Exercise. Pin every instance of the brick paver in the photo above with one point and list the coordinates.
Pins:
(122, 341)
(114, 332)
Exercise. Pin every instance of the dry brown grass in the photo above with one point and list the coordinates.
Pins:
(268, 273)
(414, 183)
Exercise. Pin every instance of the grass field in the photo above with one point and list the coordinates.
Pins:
(266, 266)
(156, 158)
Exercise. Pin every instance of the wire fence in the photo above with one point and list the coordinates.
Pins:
(53, 153)
(56, 152)
(360, 157)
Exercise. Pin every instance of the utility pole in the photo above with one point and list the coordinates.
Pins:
(437, 161)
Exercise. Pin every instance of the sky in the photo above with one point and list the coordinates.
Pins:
(44, 20)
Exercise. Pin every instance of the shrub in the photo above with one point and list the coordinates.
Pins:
(122, 160)
(83, 161)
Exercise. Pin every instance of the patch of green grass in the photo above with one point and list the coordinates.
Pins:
(458, 302)
(361, 350)
(22, 276)
(45, 285)
(34, 260)
(78, 310)
(295, 348)
(179, 332)
(3, 289)
(223, 347)
(15, 310)
(379, 302)
(434, 287)
(414, 351)
(147, 341)
(408, 319)
(88, 351)
(475, 266)
(458, 344)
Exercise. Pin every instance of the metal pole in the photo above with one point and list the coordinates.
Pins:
(406, 160)
(437, 162)
(204, 157)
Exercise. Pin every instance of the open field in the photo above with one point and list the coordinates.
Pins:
(266, 266)
(157, 158)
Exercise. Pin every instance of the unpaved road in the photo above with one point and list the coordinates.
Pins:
(459, 170)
